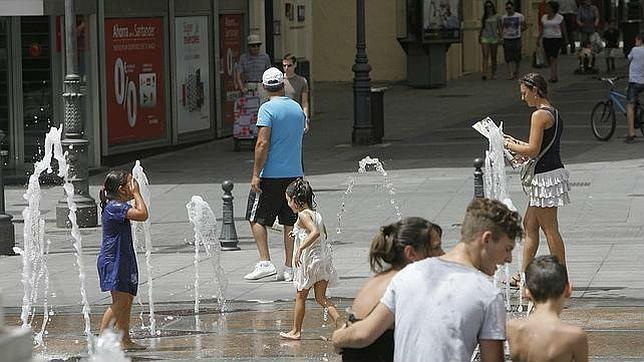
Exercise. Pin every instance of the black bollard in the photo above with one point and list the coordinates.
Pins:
(7, 236)
(479, 191)
(228, 237)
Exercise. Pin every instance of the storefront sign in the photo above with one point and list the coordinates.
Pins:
(135, 99)
(193, 76)
(231, 44)
(21, 7)
(442, 20)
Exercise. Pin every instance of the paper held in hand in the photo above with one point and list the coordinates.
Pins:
(486, 126)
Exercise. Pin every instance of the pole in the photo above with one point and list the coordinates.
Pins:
(228, 237)
(74, 144)
(7, 235)
(362, 127)
(479, 191)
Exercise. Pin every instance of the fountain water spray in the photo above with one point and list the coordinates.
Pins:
(35, 249)
(205, 229)
(107, 348)
(144, 186)
(365, 165)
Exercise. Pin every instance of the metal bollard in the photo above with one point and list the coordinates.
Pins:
(228, 237)
(479, 191)
(7, 236)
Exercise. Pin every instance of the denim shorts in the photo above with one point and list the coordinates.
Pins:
(633, 92)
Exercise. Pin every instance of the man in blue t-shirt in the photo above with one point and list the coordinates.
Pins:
(278, 162)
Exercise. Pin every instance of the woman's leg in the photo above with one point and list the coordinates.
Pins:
(547, 217)
(298, 316)
(531, 244)
(321, 298)
(493, 50)
(485, 50)
(553, 68)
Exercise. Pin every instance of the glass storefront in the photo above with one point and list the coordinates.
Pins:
(36, 84)
(4, 88)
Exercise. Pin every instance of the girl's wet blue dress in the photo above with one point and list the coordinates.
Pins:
(117, 269)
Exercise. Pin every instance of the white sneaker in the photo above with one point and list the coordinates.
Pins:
(263, 269)
(288, 274)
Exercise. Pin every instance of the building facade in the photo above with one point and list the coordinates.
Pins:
(155, 73)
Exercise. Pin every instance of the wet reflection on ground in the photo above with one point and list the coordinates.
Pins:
(249, 331)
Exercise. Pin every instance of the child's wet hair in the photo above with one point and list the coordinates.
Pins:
(110, 190)
(301, 192)
(389, 244)
(546, 278)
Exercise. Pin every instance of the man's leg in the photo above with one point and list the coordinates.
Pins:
(261, 239)
(288, 246)
(630, 116)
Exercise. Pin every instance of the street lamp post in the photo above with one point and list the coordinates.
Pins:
(7, 236)
(362, 127)
(73, 143)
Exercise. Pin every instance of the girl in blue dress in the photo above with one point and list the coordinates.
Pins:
(117, 268)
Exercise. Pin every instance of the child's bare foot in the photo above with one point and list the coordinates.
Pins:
(131, 346)
(293, 336)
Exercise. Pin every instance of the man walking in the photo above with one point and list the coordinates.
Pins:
(249, 69)
(295, 86)
(513, 24)
(635, 84)
(442, 307)
(278, 161)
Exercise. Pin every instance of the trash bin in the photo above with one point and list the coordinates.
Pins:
(378, 113)
(630, 29)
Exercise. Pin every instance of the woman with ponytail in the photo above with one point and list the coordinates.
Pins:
(117, 268)
(549, 187)
(396, 245)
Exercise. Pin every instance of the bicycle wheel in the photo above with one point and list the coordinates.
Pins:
(639, 122)
(602, 121)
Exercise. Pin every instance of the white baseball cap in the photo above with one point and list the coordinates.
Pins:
(253, 39)
(272, 77)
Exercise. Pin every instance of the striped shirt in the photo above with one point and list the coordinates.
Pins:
(252, 67)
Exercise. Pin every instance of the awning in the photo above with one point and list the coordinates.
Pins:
(21, 7)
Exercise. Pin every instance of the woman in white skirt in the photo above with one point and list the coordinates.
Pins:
(549, 188)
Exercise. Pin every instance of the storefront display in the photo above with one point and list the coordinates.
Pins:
(135, 80)
(192, 71)
(230, 41)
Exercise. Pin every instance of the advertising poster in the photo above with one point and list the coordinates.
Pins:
(231, 44)
(193, 77)
(442, 20)
(134, 67)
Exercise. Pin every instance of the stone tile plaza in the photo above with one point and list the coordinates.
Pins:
(194, 246)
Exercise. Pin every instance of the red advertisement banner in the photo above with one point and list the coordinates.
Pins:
(231, 44)
(134, 67)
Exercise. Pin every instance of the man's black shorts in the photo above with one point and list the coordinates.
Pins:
(262, 208)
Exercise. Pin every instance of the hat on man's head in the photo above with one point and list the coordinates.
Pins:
(272, 77)
(254, 39)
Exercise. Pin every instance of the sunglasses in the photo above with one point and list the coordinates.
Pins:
(255, 45)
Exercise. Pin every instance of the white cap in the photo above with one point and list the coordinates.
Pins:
(253, 39)
(272, 77)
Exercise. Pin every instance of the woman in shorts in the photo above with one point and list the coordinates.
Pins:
(553, 35)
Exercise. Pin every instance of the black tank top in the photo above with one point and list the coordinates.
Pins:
(381, 350)
(551, 160)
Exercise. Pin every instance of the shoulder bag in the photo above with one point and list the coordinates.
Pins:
(527, 171)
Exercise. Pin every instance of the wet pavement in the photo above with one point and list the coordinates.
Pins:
(249, 331)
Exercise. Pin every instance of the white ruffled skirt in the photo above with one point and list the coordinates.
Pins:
(549, 189)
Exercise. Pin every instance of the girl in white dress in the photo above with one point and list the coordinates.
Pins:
(313, 259)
